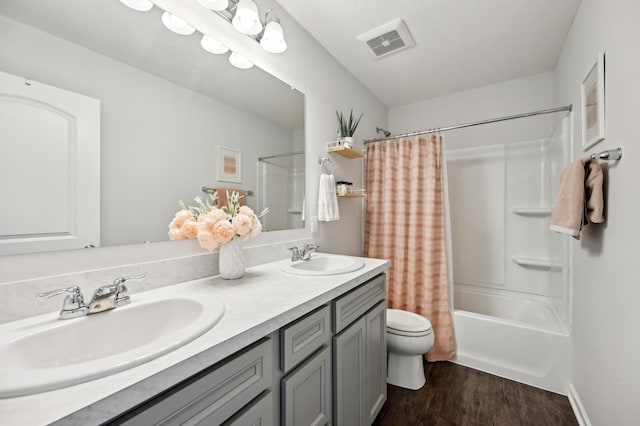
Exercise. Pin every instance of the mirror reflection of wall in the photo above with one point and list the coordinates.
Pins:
(166, 106)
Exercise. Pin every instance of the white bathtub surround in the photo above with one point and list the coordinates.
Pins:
(511, 290)
(261, 302)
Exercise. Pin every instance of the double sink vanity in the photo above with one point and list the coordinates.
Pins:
(289, 343)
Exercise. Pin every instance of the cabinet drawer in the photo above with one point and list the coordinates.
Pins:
(353, 305)
(258, 413)
(303, 337)
(213, 395)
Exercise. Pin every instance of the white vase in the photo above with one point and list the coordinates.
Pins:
(348, 142)
(231, 260)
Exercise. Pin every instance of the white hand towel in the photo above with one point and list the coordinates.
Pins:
(327, 199)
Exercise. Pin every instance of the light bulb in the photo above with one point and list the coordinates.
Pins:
(177, 24)
(240, 61)
(273, 38)
(212, 45)
(215, 4)
(139, 5)
(246, 19)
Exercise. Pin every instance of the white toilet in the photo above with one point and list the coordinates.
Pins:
(409, 336)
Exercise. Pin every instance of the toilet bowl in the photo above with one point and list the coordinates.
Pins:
(409, 336)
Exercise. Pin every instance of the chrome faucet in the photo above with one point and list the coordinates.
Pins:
(104, 298)
(73, 305)
(304, 254)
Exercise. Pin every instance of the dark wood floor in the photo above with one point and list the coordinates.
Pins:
(457, 395)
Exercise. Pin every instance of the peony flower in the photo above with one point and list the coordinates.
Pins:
(181, 217)
(242, 223)
(246, 211)
(190, 229)
(206, 239)
(223, 232)
(256, 226)
(213, 217)
(176, 234)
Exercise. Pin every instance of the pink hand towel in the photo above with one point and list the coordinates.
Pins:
(580, 198)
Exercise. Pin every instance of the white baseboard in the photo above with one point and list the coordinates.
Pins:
(578, 408)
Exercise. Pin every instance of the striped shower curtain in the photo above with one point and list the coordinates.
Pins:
(405, 223)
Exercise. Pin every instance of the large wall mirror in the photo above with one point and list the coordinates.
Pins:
(168, 109)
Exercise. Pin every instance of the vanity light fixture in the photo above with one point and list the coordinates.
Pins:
(212, 45)
(240, 61)
(217, 5)
(177, 24)
(246, 18)
(139, 5)
(273, 37)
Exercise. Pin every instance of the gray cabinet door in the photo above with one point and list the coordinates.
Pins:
(306, 392)
(349, 379)
(376, 360)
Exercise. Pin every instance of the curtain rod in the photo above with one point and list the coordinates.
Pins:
(475, 123)
(286, 154)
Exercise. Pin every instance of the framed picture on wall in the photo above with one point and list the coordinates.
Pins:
(593, 105)
(229, 165)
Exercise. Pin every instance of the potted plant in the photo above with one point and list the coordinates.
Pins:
(348, 127)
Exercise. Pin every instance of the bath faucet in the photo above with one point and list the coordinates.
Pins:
(304, 254)
(73, 305)
(104, 298)
(111, 296)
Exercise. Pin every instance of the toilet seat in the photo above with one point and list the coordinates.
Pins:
(404, 323)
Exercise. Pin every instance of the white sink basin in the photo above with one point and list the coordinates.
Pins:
(323, 264)
(44, 353)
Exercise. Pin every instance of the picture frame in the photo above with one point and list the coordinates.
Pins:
(593, 105)
(229, 165)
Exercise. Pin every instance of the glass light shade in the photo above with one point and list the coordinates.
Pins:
(246, 19)
(139, 5)
(212, 45)
(215, 4)
(177, 24)
(240, 61)
(273, 38)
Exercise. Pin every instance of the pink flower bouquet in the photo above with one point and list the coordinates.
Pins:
(213, 226)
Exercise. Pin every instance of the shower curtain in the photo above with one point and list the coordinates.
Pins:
(405, 223)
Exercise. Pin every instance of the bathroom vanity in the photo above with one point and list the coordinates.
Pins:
(289, 349)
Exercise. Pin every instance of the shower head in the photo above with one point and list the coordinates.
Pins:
(386, 133)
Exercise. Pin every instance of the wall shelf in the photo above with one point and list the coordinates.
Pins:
(345, 152)
(533, 211)
(536, 263)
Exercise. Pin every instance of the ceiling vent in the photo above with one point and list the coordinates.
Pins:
(387, 39)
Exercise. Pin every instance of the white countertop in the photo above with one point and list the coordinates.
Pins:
(263, 301)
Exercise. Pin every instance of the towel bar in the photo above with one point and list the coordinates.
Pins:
(612, 154)
(209, 190)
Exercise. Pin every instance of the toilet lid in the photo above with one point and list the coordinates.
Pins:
(407, 321)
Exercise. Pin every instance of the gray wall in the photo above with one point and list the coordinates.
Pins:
(605, 376)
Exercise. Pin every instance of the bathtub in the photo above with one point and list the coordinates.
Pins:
(511, 337)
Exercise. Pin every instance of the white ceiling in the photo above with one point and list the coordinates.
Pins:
(461, 44)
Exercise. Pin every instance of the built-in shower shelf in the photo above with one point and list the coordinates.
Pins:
(536, 263)
(533, 211)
